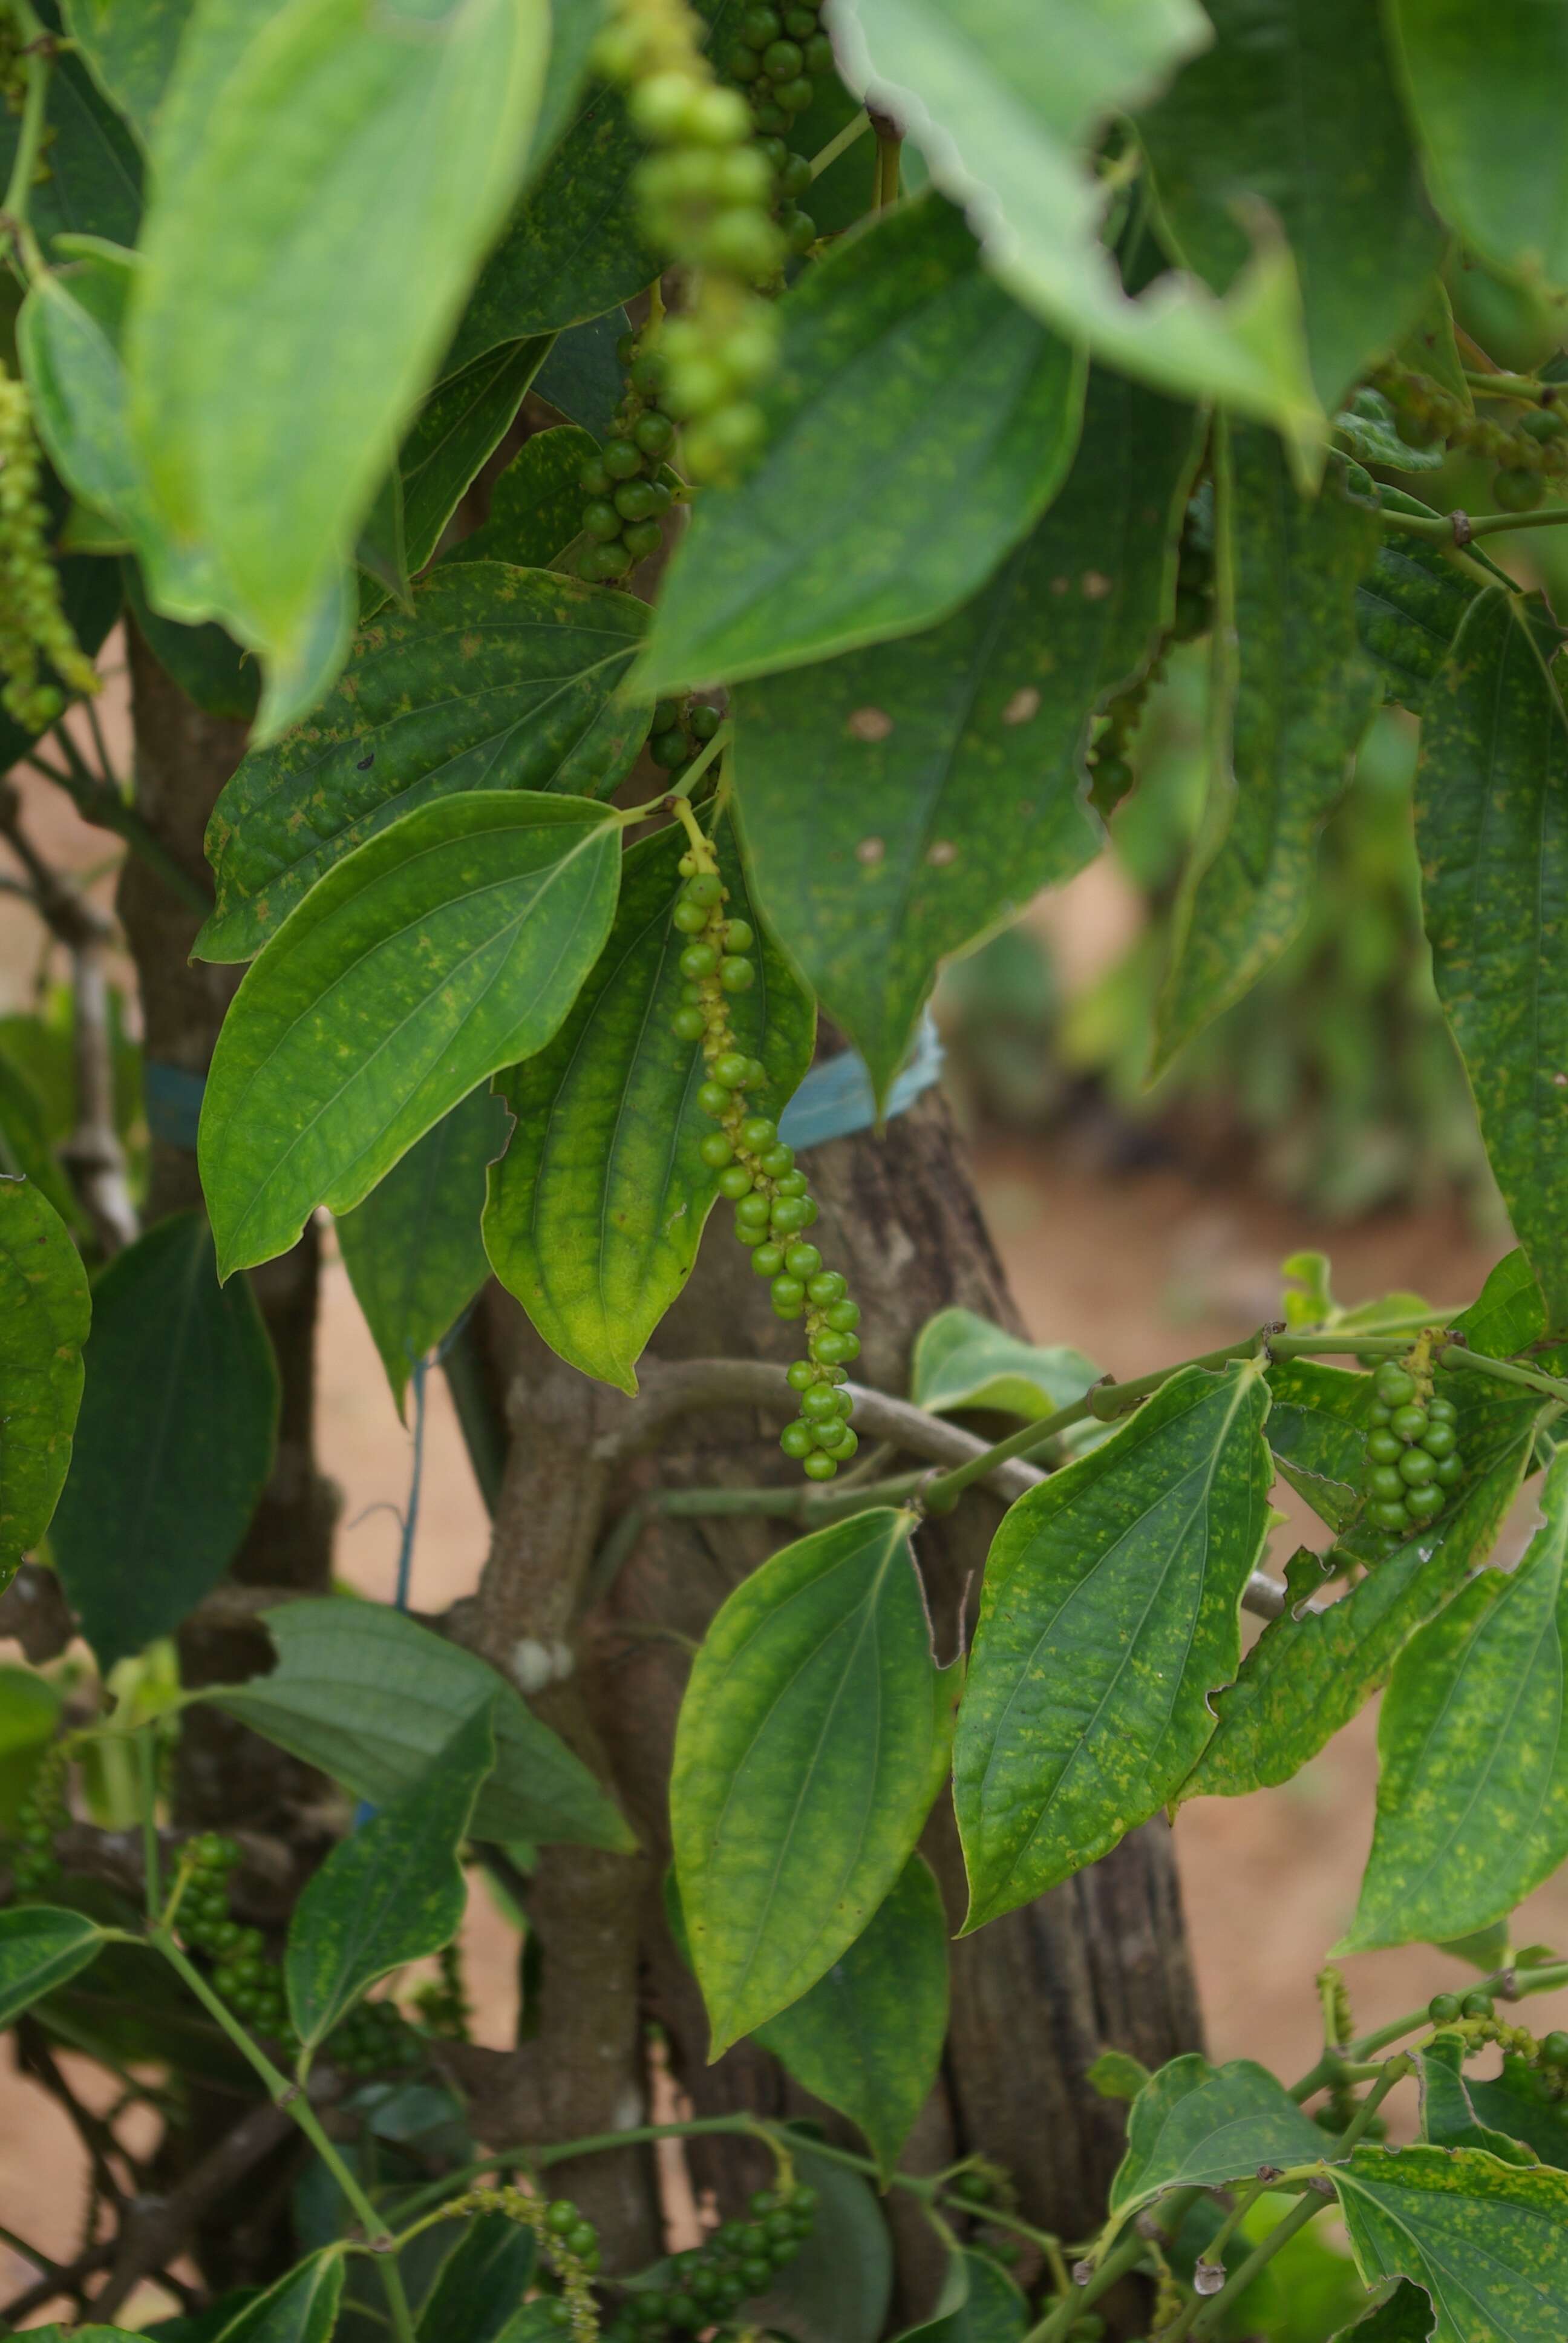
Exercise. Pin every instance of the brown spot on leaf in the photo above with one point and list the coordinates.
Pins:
(940, 852)
(1096, 586)
(1022, 705)
(869, 852)
(870, 724)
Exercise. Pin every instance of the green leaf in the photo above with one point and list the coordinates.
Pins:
(953, 762)
(372, 1698)
(1299, 692)
(596, 1209)
(480, 2283)
(839, 2287)
(392, 1892)
(41, 1947)
(1295, 106)
(93, 186)
(499, 679)
(1473, 1791)
(440, 950)
(1403, 2316)
(1510, 1312)
(844, 532)
(1108, 1616)
(1408, 610)
(1117, 2075)
(30, 1713)
(1194, 2126)
(536, 504)
(810, 1744)
(1489, 2244)
(130, 46)
(990, 2307)
(1310, 1670)
(67, 337)
(360, 171)
(582, 378)
(1485, 88)
(1489, 791)
(1317, 1431)
(174, 1441)
(413, 1250)
(1448, 2115)
(208, 663)
(574, 246)
(302, 2307)
(460, 425)
(1370, 427)
(1519, 2104)
(44, 1316)
(1008, 111)
(961, 1359)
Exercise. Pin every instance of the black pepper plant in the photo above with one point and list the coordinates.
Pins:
(866, 400)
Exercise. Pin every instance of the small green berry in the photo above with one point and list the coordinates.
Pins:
(706, 888)
(737, 936)
(1382, 1446)
(621, 459)
(643, 537)
(803, 1260)
(654, 434)
(758, 1132)
(789, 1290)
(1394, 1387)
(699, 961)
(1424, 1502)
(738, 975)
(1450, 1471)
(789, 1214)
(1439, 1440)
(800, 1375)
(844, 1317)
(818, 1466)
(689, 1024)
(767, 1260)
(778, 1160)
(713, 1098)
(689, 918)
(735, 1181)
(1442, 1411)
(730, 1069)
(562, 2218)
(1416, 1466)
(1408, 1422)
(1477, 2005)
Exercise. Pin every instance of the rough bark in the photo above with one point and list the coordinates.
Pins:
(1036, 1996)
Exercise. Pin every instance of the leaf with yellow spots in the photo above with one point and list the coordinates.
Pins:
(44, 1312)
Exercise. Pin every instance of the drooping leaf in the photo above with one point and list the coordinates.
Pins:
(536, 504)
(1299, 692)
(92, 185)
(1408, 609)
(988, 2306)
(1317, 1431)
(440, 950)
(392, 1892)
(837, 2288)
(1310, 1669)
(1486, 89)
(372, 1698)
(301, 2307)
(1473, 1743)
(961, 1359)
(1295, 106)
(1198, 2125)
(1508, 1313)
(499, 679)
(359, 172)
(1448, 2113)
(480, 2283)
(596, 1209)
(1007, 112)
(208, 663)
(44, 1316)
(811, 1743)
(174, 1441)
(130, 46)
(1107, 1617)
(1491, 787)
(1487, 2242)
(67, 337)
(41, 1947)
(413, 1250)
(953, 761)
(844, 532)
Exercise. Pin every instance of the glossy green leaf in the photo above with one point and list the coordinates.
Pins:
(961, 1359)
(574, 246)
(67, 337)
(1491, 787)
(41, 1947)
(208, 663)
(174, 1441)
(582, 378)
(1310, 1669)
(1295, 106)
(1194, 2126)
(536, 504)
(1403, 2316)
(130, 46)
(1473, 1790)
(499, 679)
(1116, 2075)
(302, 2307)
(1317, 1431)
(372, 1698)
(953, 762)
(810, 1747)
(1508, 1313)
(392, 1892)
(480, 2283)
(1107, 1617)
(1488, 2243)
(93, 186)
(1007, 110)
(1408, 610)
(1448, 2113)
(1485, 86)
(988, 2307)
(838, 2286)
(596, 1209)
(44, 1316)
(1518, 2103)
(441, 949)
(360, 164)
(1300, 693)
(845, 532)
(413, 1250)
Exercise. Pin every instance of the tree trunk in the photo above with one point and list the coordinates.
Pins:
(1100, 1961)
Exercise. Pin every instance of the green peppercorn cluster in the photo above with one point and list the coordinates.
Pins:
(626, 501)
(34, 627)
(779, 57)
(757, 1172)
(1529, 452)
(570, 2245)
(703, 2288)
(1473, 2016)
(1414, 1451)
(42, 1811)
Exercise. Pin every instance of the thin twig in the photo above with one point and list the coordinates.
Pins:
(157, 2228)
(99, 801)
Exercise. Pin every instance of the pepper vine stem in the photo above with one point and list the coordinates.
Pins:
(38, 49)
(1443, 528)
